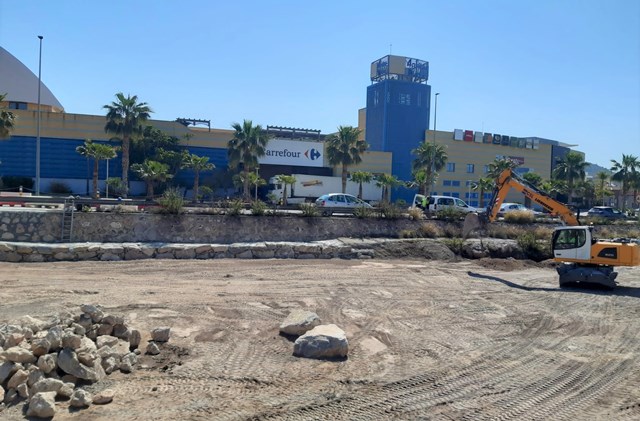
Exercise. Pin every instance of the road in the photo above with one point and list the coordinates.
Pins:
(491, 339)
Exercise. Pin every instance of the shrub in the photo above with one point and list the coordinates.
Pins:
(449, 214)
(204, 191)
(416, 214)
(429, 230)
(408, 234)
(258, 208)
(532, 248)
(117, 187)
(454, 244)
(235, 207)
(13, 182)
(308, 209)
(519, 217)
(172, 201)
(505, 231)
(451, 231)
(363, 212)
(543, 233)
(389, 211)
(59, 187)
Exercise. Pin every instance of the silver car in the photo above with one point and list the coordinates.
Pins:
(337, 202)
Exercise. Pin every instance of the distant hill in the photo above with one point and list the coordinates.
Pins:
(594, 169)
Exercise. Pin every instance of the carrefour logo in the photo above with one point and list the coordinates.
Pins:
(312, 154)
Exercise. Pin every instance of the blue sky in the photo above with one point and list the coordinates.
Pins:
(564, 70)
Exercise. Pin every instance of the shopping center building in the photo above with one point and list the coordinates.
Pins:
(394, 122)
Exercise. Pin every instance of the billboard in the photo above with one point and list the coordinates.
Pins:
(293, 152)
(487, 138)
(478, 137)
(468, 135)
(399, 67)
(497, 139)
(458, 134)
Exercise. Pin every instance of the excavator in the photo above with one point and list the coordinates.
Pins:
(583, 259)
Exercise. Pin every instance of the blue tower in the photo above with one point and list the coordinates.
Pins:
(397, 116)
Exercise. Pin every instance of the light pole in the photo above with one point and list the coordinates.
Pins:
(433, 152)
(38, 125)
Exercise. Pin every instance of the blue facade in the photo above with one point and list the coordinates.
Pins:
(397, 118)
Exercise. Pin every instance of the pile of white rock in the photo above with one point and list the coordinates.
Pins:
(315, 340)
(44, 360)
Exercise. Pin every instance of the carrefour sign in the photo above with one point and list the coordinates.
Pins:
(293, 152)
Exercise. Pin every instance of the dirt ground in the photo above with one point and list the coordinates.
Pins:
(493, 339)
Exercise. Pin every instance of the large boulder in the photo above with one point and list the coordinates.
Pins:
(81, 399)
(324, 341)
(299, 321)
(69, 363)
(42, 405)
(160, 334)
(18, 354)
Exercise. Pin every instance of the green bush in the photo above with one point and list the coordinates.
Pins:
(235, 207)
(389, 211)
(258, 208)
(362, 212)
(308, 209)
(454, 244)
(429, 230)
(13, 182)
(59, 187)
(532, 248)
(449, 214)
(171, 201)
(117, 188)
(416, 214)
(519, 217)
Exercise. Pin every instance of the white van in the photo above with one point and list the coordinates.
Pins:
(436, 203)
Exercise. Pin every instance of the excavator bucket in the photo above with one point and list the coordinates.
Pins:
(472, 222)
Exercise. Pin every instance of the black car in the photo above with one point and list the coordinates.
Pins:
(605, 212)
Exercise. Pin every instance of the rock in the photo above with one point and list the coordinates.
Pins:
(35, 375)
(1, 395)
(106, 340)
(95, 312)
(299, 321)
(152, 348)
(19, 355)
(70, 340)
(128, 362)
(113, 320)
(54, 336)
(68, 378)
(104, 397)
(110, 364)
(78, 329)
(19, 377)
(324, 341)
(68, 362)
(160, 334)
(13, 339)
(10, 396)
(47, 362)
(87, 345)
(32, 323)
(85, 321)
(134, 339)
(40, 347)
(80, 399)
(121, 331)
(105, 329)
(87, 358)
(47, 385)
(66, 391)
(106, 352)
(42, 405)
(7, 369)
(23, 390)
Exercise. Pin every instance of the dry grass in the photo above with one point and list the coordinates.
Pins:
(519, 217)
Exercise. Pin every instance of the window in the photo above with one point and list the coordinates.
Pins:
(455, 194)
(446, 193)
(404, 99)
(17, 105)
(446, 183)
(451, 167)
(471, 168)
(376, 98)
(340, 198)
(486, 169)
(569, 239)
(455, 183)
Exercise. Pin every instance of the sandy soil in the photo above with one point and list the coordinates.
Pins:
(428, 340)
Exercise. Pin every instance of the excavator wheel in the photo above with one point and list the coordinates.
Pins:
(574, 275)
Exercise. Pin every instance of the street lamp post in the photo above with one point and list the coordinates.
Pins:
(38, 125)
(433, 152)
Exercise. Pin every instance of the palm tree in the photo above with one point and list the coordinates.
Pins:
(285, 180)
(482, 185)
(601, 189)
(499, 165)
(571, 168)
(361, 177)
(256, 181)
(248, 144)
(7, 120)
(151, 172)
(419, 180)
(344, 148)
(125, 118)
(533, 179)
(98, 152)
(623, 171)
(197, 164)
(554, 188)
(430, 158)
(387, 182)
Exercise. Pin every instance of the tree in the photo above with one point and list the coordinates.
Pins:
(125, 118)
(197, 164)
(499, 165)
(623, 171)
(554, 188)
(533, 179)
(420, 179)
(285, 180)
(430, 158)
(387, 182)
(98, 152)
(7, 120)
(248, 144)
(361, 177)
(256, 181)
(151, 172)
(602, 186)
(482, 185)
(571, 168)
(344, 148)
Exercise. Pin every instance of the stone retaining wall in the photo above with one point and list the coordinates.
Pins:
(104, 227)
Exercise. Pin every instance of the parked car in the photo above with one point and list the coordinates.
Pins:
(605, 212)
(435, 203)
(510, 207)
(329, 203)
